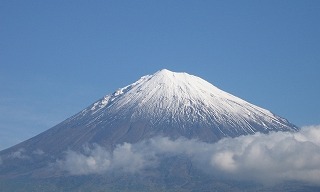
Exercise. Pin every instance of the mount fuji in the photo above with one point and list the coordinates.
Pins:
(165, 104)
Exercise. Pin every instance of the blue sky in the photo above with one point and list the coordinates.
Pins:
(57, 57)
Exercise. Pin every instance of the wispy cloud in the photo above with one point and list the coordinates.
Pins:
(38, 152)
(271, 158)
(19, 154)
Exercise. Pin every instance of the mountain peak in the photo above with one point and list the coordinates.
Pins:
(167, 75)
(164, 71)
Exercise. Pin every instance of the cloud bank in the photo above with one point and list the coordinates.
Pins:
(276, 157)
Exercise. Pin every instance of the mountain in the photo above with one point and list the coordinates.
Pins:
(166, 104)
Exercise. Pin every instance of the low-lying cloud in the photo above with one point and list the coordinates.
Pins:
(96, 160)
(276, 157)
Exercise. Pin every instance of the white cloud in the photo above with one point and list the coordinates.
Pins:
(96, 160)
(271, 158)
(130, 158)
(38, 152)
(19, 154)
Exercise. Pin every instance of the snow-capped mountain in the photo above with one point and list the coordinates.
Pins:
(163, 104)
(166, 104)
(179, 104)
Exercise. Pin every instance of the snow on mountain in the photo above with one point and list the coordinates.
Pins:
(185, 102)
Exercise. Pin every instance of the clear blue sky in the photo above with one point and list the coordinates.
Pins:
(57, 57)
